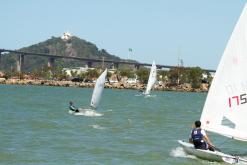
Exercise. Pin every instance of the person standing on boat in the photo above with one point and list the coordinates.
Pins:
(199, 138)
(72, 107)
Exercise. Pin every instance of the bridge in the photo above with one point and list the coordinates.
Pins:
(51, 60)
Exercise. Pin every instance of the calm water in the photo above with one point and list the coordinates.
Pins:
(35, 127)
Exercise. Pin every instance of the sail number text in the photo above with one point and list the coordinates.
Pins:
(237, 100)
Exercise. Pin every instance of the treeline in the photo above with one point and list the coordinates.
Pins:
(175, 76)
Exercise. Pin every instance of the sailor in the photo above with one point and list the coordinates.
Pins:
(72, 107)
(199, 138)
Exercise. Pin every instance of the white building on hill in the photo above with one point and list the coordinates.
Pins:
(66, 36)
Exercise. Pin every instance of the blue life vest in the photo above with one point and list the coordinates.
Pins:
(197, 138)
(196, 135)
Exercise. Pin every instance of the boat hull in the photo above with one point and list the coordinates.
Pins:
(203, 154)
(214, 156)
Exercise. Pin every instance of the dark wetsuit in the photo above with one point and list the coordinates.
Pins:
(73, 108)
(197, 138)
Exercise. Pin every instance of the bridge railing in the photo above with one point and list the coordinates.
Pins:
(117, 62)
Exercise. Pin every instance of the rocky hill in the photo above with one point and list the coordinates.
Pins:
(71, 46)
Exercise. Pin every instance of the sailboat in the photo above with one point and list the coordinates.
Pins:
(151, 79)
(96, 96)
(225, 109)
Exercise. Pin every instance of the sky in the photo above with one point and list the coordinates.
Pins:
(197, 31)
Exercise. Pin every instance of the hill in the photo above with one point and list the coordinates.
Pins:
(72, 46)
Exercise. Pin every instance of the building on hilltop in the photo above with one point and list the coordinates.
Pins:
(66, 36)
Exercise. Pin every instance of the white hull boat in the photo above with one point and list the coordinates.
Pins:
(214, 156)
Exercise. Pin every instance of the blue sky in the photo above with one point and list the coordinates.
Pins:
(160, 30)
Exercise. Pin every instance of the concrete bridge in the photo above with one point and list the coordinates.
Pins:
(51, 60)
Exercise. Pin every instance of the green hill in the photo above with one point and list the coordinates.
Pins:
(74, 47)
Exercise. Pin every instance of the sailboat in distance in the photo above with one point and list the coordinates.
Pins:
(96, 97)
(151, 79)
(225, 109)
(98, 90)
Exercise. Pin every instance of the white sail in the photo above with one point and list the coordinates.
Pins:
(151, 79)
(225, 109)
(98, 89)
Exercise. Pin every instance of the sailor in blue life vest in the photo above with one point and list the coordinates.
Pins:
(72, 107)
(199, 138)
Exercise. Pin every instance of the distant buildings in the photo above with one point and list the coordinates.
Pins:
(132, 80)
(76, 70)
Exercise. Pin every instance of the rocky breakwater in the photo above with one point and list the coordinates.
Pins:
(118, 85)
(45, 83)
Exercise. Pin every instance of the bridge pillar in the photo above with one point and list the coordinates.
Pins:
(89, 64)
(137, 66)
(20, 62)
(51, 62)
(115, 65)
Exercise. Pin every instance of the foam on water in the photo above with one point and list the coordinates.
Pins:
(179, 152)
(149, 96)
(129, 121)
(145, 96)
(89, 114)
(95, 126)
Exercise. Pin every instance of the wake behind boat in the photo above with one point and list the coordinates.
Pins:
(86, 112)
(96, 96)
(225, 108)
(145, 96)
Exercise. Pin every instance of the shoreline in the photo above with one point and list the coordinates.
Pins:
(119, 85)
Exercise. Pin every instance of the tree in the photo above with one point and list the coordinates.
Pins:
(195, 77)
(127, 73)
(44, 72)
(82, 76)
(143, 74)
(162, 75)
(173, 75)
(73, 73)
(109, 74)
(59, 74)
(7, 75)
(91, 74)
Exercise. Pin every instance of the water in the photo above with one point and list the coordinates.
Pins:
(35, 127)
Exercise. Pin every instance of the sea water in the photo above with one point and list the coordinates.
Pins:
(36, 128)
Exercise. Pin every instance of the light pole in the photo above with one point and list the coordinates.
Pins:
(130, 51)
(103, 62)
